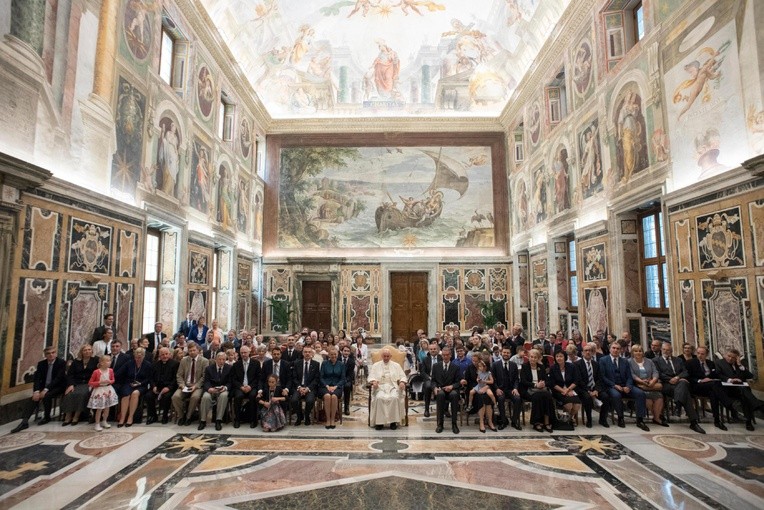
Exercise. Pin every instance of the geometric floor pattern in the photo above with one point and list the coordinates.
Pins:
(355, 467)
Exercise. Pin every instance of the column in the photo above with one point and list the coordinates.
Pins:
(28, 21)
(426, 84)
(106, 50)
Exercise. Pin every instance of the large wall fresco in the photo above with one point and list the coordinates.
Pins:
(467, 57)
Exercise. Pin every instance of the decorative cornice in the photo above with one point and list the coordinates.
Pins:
(21, 174)
(552, 53)
(382, 125)
(755, 165)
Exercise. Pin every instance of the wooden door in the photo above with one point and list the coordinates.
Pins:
(409, 304)
(317, 305)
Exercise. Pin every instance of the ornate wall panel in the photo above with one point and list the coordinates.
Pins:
(169, 297)
(34, 329)
(756, 212)
(687, 304)
(539, 293)
(124, 308)
(243, 294)
(42, 237)
(633, 297)
(360, 295)
(683, 246)
(524, 291)
(594, 284)
(199, 281)
(127, 253)
(83, 307)
(462, 289)
(278, 283)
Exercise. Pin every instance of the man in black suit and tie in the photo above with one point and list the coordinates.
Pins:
(346, 356)
(543, 344)
(732, 371)
(245, 382)
(187, 325)
(705, 382)
(617, 381)
(516, 340)
(589, 378)
(445, 381)
(304, 385)
(280, 369)
(217, 384)
(49, 382)
(291, 354)
(108, 323)
(432, 359)
(655, 350)
(674, 378)
(155, 339)
(506, 385)
(163, 386)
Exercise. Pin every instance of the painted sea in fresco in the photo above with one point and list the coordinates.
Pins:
(386, 197)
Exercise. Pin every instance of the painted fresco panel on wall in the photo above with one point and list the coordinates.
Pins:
(720, 239)
(756, 214)
(243, 204)
(225, 201)
(596, 300)
(127, 253)
(34, 326)
(595, 263)
(201, 177)
(197, 302)
(541, 195)
(245, 138)
(521, 210)
(168, 157)
(704, 100)
(590, 157)
(583, 71)
(257, 222)
(42, 236)
(630, 134)
(533, 121)
(560, 179)
(198, 270)
(205, 91)
(386, 197)
(89, 247)
(138, 27)
(130, 114)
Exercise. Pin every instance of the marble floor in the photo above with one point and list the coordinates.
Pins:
(353, 466)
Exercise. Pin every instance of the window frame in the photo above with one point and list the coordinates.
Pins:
(152, 284)
(226, 113)
(659, 261)
(572, 273)
(166, 32)
(635, 20)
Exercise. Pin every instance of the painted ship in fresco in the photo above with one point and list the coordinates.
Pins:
(449, 174)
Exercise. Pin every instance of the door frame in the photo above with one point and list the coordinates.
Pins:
(311, 277)
(432, 293)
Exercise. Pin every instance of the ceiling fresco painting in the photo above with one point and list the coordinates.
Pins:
(346, 58)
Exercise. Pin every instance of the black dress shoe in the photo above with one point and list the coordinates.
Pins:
(43, 421)
(21, 426)
(181, 421)
(517, 425)
(346, 412)
(439, 429)
(588, 424)
(604, 423)
(621, 423)
(201, 425)
(641, 424)
(378, 427)
(695, 426)
(502, 426)
(252, 424)
(164, 420)
(719, 425)
(307, 421)
(298, 422)
(749, 425)
(150, 420)
(218, 425)
(455, 428)
(393, 426)
(236, 424)
(426, 413)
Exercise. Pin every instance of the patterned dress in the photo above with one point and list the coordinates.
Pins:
(272, 418)
(103, 397)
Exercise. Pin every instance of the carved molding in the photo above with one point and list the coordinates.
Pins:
(21, 174)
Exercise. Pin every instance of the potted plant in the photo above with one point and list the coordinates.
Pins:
(281, 312)
(491, 311)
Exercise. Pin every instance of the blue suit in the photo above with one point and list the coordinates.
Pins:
(613, 376)
(193, 335)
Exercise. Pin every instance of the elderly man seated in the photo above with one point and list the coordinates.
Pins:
(388, 391)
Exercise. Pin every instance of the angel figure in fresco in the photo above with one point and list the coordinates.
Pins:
(700, 75)
(414, 5)
(755, 122)
(468, 48)
(140, 21)
(591, 169)
(225, 198)
(200, 184)
(361, 5)
(540, 195)
(263, 10)
(301, 44)
(560, 172)
(514, 13)
(243, 212)
(168, 158)
(629, 134)
(386, 67)
(582, 69)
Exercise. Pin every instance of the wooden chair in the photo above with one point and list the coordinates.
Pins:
(400, 358)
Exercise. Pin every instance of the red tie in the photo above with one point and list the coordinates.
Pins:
(193, 370)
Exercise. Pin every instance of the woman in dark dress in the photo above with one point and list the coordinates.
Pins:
(533, 387)
(332, 383)
(133, 378)
(562, 379)
(77, 390)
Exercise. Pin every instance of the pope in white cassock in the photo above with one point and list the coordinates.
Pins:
(388, 392)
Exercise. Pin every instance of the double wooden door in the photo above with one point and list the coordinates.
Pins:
(409, 304)
(317, 305)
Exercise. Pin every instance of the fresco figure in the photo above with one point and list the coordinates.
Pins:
(700, 76)
(560, 171)
(540, 195)
(591, 164)
(243, 212)
(258, 220)
(582, 68)
(386, 67)
(631, 139)
(200, 178)
(534, 123)
(205, 91)
(138, 29)
(168, 158)
(707, 151)
(245, 138)
(224, 198)
(301, 44)
(522, 206)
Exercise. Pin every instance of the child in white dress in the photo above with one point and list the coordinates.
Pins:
(102, 396)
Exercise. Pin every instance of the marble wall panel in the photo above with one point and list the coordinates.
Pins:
(198, 267)
(633, 296)
(224, 271)
(726, 314)
(223, 311)
(242, 311)
(482, 284)
(36, 308)
(197, 303)
(42, 238)
(596, 300)
(472, 315)
(90, 247)
(86, 305)
(720, 239)
(540, 273)
(756, 214)
(689, 318)
(360, 294)
(561, 280)
(124, 309)
(683, 246)
(524, 284)
(540, 311)
(243, 275)
(127, 253)
(170, 256)
(360, 313)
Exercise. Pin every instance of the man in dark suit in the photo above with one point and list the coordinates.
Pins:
(304, 385)
(674, 377)
(590, 382)
(290, 354)
(245, 382)
(655, 350)
(426, 369)
(445, 382)
(187, 325)
(506, 385)
(155, 340)
(732, 371)
(118, 356)
(217, 384)
(346, 356)
(617, 381)
(163, 386)
(213, 350)
(705, 382)
(108, 323)
(49, 382)
(516, 340)
(280, 369)
(543, 344)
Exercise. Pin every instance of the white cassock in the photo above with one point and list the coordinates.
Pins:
(387, 402)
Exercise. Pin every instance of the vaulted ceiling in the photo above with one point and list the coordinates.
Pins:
(384, 58)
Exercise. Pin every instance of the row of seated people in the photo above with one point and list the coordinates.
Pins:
(191, 383)
(572, 382)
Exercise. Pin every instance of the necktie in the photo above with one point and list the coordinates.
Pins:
(446, 370)
(246, 379)
(305, 373)
(506, 366)
(432, 364)
(591, 375)
(192, 377)
(156, 340)
(49, 375)
(114, 360)
(671, 364)
(706, 370)
(220, 373)
(615, 360)
(276, 369)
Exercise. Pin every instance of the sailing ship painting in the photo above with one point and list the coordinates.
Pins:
(386, 197)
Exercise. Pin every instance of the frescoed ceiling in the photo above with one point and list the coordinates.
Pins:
(371, 58)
